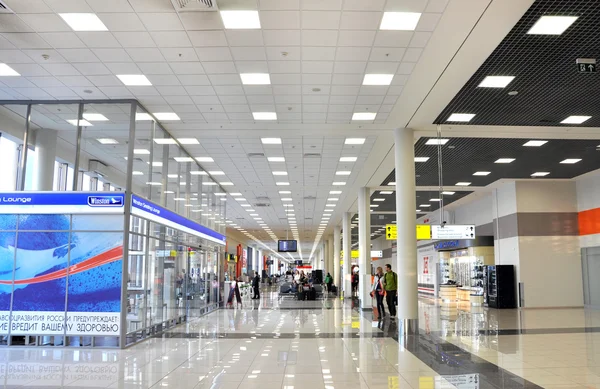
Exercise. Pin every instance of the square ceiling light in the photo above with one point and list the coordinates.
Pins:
(364, 115)
(95, 117)
(285, 192)
(335, 192)
(540, 174)
(435, 142)
(421, 159)
(463, 183)
(7, 71)
(343, 173)
(183, 159)
(165, 141)
(205, 159)
(404, 21)
(270, 141)
(166, 116)
(216, 173)
(461, 117)
(240, 20)
(280, 173)
(276, 159)
(393, 183)
(378, 79)
(134, 80)
(535, 143)
(504, 160)
(385, 192)
(264, 115)
(83, 21)
(142, 116)
(107, 141)
(354, 141)
(188, 141)
(448, 193)
(282, 183)
(255, 78)
(339, 183)
(481, 173)
(570, 119)
(137, 173)
(551, 25)
(496, 81)
(570, 161)
(347, 159)
(84, 123)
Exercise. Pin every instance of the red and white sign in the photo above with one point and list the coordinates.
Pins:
(425, 265)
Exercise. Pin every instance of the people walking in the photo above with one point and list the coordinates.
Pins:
(379, 292)
(391, 288)
(256, 286)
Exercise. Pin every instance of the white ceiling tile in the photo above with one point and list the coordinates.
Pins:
(45, 82)
(206, 100)
(286, 117)
(318, 53)
(319, 37)
(27, 6)
(283, 53)
(27, 70)
(199, 90)
(370, 102)
(279, 4)
(406, 67)
(62, 39)
(288, 99)
(98, 39)
(161, 21)
(356, 38)
(75, 81)
(92, 69)
(436, 6)
(14, 56)
(61, 69)
(260, 99)
(374, 90)
(84, 92)
(282, 37)
(244, 37)
(317, 66)
(279, 20)
(47, 22)
(240, 116)
(208, 38)
(214, 54)
(135, 39)
(192, 117)
(116, 92)
(112, 55)
(347, 79)
(395, 90)
(252, 66)
(110, 5)
(341, 108)
(61, 92)
(171, 39)
(210, 108)
(428, 22)
(286, 79)
(345, 90)
(320, 20)
(193, 21)
(164, 79)
(390, 99)
(180, 54)
(101, 81)
(360, 20)
(262, 108)
(387, 38)
(122, 22)
(314, 116)
(412, 55)
(381, 67)
(316, 79)
(385, 109)
(366, 107)
(349, 67)
(149, 68)
(194, 80)
(225, 79)
(78, 55)
(26, 40)
(12, 23)
(175, 90)
(362, 5)
(236, 108)
(5, 44)
(34, 93)
(321, 4)
(420, 39)
(68, 6)
(258, 89)
(384, 54)
(123, 68)
(336, 116)
(187, 68)
(249, 53)
(228, 90)
(314, 108)
(400, 79)
(18, 82)
(315, 99)
(181, 104)
(143, 90)
(215, 117)
(342, 100)
(352, 53)
(148, 54)
(406, 5)
(287, 90)
(219, 67)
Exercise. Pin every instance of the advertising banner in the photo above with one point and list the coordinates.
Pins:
(62, 202)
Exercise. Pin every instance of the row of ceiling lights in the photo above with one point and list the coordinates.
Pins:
(545, 25)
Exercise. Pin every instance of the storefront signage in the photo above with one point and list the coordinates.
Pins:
(166, 253)
(148, 210)
(447, 245)
(61, 202)
(453, 231)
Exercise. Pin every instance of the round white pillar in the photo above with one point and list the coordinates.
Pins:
(45, 150)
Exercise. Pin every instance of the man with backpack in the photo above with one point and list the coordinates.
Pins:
(390, 282)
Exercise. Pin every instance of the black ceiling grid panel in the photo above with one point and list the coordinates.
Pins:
(550, 87)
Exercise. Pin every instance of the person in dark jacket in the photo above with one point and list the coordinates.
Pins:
(255, 286)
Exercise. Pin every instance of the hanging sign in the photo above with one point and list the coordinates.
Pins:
(391, 232)
(453, 231)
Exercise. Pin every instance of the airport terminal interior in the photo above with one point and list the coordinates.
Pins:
(336, 194)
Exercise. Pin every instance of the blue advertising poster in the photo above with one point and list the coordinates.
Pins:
(8, 236)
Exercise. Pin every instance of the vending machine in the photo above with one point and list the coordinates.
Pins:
(500, 287)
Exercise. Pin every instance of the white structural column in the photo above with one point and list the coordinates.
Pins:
(330, 263)
(346, 247)
(45, 150)
(364, 248)
(337, 247)
(406, 259)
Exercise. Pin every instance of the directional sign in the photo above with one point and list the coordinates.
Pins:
(423, 231)
(391, 232)
(453, 231)
(586, 65)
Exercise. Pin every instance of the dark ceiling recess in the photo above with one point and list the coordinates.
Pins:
(546, 76)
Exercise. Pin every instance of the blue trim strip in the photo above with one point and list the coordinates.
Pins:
(148, 206)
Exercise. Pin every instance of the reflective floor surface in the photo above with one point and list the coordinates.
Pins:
(329, 344)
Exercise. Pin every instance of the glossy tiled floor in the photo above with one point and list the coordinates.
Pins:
(327, 344)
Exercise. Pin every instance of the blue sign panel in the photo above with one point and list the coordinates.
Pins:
(147, 209)
(61, 202)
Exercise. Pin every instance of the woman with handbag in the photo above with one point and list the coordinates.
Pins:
(379, 292)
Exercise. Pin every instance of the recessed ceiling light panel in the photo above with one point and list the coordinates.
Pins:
(505, 160)
(435, 142)
(83, 21)
(348, 159)
(421, 159)
(481, 173)
(378, 79)
(496, 81)
(270, 141)
(463, 183)
(166, 116)
(540, 174)
(264, 115)
(551, 25)
(404, 21)
(364, 115)
(354, 141)
(255, 78)
(461, 117)
(240, 20)
(576, 119)
(535, 143)
(570, 161)
(95, 117)
(107, 141)
(7, 71)
(135, 80)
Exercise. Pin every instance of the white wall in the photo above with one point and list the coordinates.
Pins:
(588, 192)
(478, 212)
(546, 196)
(504, 200)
